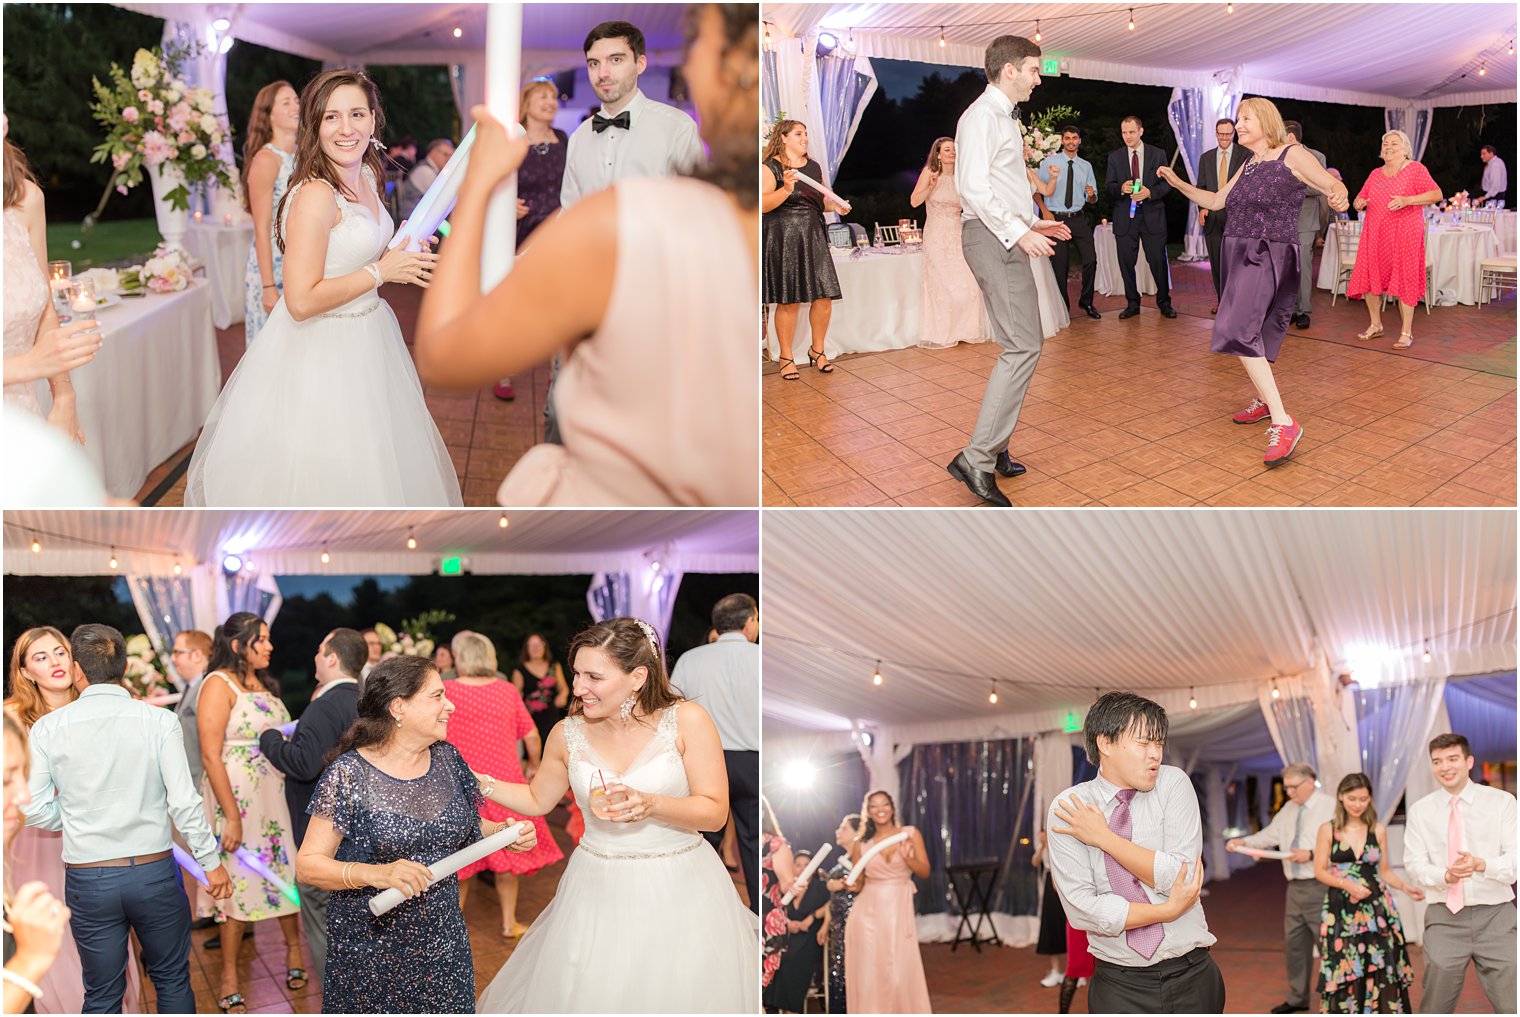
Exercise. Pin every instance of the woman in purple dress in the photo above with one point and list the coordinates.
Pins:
(1261, 260)
(538, 181)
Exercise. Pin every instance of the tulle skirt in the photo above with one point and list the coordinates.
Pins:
(661, 934)
(326, 412)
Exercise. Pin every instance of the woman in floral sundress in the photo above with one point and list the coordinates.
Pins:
(245, 796)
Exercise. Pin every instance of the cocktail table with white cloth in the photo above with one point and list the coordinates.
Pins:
(1452, 253)
(223, 249)
(148, 390)
(883, 291)
(1109, 282)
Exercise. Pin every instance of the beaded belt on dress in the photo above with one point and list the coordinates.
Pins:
(643, 857)
(351, 314)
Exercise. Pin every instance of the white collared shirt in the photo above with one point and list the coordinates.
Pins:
(661, 141)
(322, 689)
(1278, 834)
(1165, 820)
(723, 677)
(1137, 151)
(1488, 832)
(991, 176)
(1495, 178)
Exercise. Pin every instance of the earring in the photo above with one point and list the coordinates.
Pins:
(398, 721)
(376, 143)
(626, 710)
(746, 81)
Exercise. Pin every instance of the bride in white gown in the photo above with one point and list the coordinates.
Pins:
(645, 918)
(325, 408)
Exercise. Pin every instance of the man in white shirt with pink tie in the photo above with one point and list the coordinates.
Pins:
(1459, 844)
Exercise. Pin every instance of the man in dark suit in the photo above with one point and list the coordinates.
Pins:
(1215, 169)
(1310, 222)
(334, 708)
(1136, 163)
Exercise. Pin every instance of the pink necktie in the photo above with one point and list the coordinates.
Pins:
(1453, 848)
(1146, 938)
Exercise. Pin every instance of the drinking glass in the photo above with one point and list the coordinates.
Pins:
(59, 273)
(81, 298)
(600, 799)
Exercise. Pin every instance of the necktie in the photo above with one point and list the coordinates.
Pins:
(1223, 173)
(1015, 113)
(600, 123)
(1298, 829)
(1071, 171)
(1454, 900)
(1146, 938)
(1134, 165)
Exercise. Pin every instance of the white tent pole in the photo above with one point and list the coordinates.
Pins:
(503, 66)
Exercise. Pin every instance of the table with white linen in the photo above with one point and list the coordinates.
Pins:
(1109, 282)
(1504, 225)
(1452, 254)
(882, 293)
(149, 389)
(223, 249)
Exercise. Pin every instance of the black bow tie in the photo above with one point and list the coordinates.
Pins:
(1015, 113)
(600, 123)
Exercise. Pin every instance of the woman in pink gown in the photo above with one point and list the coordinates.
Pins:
(883, 967)
(952, 303)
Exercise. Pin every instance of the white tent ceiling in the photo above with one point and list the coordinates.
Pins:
(1057, 604)
(423, 33)
(1365, 54)
(291, 543)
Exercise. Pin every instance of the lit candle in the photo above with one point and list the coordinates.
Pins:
(227, 219)
(197, 215)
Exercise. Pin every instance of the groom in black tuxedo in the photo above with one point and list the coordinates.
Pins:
(1139, 161)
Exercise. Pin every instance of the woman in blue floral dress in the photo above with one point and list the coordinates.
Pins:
(1364, 964)
(269, 157)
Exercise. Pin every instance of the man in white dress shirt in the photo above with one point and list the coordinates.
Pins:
(999, 235)
(723, 677)
(1125, 852)
(1294, 829)
(631, 136)
(1459, 843)
(1495, 175)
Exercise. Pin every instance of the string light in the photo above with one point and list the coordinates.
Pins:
(1512, 47)
(1426, 655)
(1275, 693)
(992, 697)
(178, 569)
(326, 558)
(458, 32)
(1229, 8)
(502, 522)
(1131, 19)
(876, 678)
(113, 562)
(1482, 70)
(1192, 699)
(941, 36)
(411, 540)
(1037, 36)
(36, 545)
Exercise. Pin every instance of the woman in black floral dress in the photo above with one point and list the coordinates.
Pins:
(777, 871)
(1364, 964)
(541, 680)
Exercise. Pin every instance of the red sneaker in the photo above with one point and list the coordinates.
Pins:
(1257, 411)
(504, 390)
(1282, 439)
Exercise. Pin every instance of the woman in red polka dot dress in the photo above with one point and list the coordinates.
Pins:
(488, 721)
(1391, 256)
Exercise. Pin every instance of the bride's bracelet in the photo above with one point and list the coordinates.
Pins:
(374, 269)
(487, 787)
(26, 986)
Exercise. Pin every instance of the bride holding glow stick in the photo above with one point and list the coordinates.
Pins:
(644, 901)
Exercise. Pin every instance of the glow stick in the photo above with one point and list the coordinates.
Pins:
(1264, 853)
(439, 200)
(815, 185)
(504, 44)
(256, 863)
(442, 869)
(812, 867)
(876, 849)
(287, 729)
(190, 865)
(165, 700)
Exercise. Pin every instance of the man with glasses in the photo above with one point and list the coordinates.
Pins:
(1294, 829)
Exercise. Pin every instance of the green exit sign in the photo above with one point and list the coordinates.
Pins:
(1073, 723)
(1050, 66)
(452, 566)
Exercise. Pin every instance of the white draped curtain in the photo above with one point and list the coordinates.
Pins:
(1188, 114)
(166, 606)
(1394, 728)
(648, 593)
(205, 66)
(827, 93)
(1290, 719)
(1414, 120)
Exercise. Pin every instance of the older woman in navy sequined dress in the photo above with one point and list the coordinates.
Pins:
(396, 799)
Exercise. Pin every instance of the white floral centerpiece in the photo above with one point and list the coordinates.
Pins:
(168, 271)
(1042, 133)
(415, 638)
(147, 678)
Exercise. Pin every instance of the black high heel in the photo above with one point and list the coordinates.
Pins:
(814, 356)
(786, 375)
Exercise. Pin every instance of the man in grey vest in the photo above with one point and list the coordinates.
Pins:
(1294, 829)
(1310, 222)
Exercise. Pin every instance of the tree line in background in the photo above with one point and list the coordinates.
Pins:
(893, 141)
(53, 50)
(506, 609)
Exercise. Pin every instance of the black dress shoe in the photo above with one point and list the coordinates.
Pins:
(1006, 466)
(1288, 1008)
(1128, 312)
(1302, 321)
(203, 923)
(1091, 313)
(983, 485)
(1168, 312)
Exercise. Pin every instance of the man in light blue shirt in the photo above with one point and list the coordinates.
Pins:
(1076, 185)
(110, 772)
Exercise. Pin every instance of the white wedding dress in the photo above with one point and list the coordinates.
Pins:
(1053, 313)
(645, 919)
(326, 412)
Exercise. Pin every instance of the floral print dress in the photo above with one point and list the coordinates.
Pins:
(773, 923)
(260, 792)
(1364, 963)
(254, 315)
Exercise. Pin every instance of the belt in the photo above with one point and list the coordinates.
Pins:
(1068, 215)
(119, 863)
(1194, 956)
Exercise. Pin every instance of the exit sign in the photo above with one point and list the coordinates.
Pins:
(1050, 66)
(452, 566)
(1073, 723)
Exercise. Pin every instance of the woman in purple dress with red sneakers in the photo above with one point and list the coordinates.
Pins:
(1261, 259)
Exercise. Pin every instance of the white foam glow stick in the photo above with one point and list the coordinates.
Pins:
(815, 185)
(876, 849)
(504, 45)
(442, 869)
(812, 867)
(1264, 853)
(439, 200)
(167, 699)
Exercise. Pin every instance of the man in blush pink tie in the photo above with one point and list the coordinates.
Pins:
(1125, 855)
(1459, 844)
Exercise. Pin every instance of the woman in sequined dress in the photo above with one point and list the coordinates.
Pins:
(396, 799)
(841, 897)
(1261, 260)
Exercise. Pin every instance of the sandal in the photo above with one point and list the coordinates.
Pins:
(786, 375)
(1372, 333)
(1406, 340)
(515, 932)
(226, 1003)
(294, 976)
(818, 359)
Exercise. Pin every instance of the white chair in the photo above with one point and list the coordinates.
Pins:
(1497, 275)
(840, 235)
(1348, 234)
(1483, 217)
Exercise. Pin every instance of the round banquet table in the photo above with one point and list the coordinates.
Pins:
(223, 249)
(148, 390)
(1109, 282)
(879, 310)
(1452, 254)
